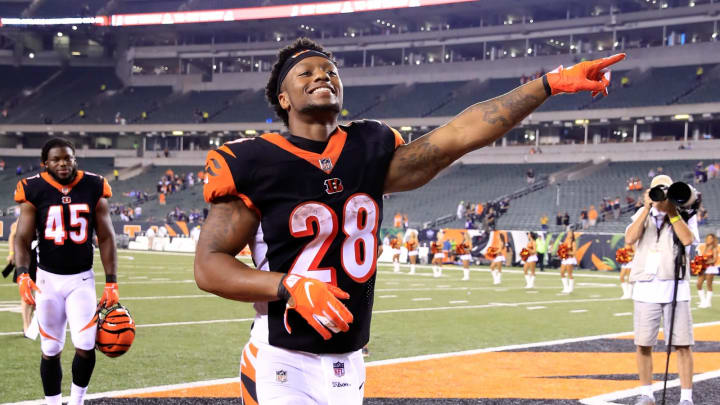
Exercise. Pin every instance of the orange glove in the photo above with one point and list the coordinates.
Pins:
(317, 303)
(110, 296)
(590, 75)
(26, 286)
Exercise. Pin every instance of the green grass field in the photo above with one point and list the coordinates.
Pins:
(177, 341)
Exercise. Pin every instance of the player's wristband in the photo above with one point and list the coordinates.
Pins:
(21, 270)
(282, 292)
(675, 219)
(111, 278)
(546, 85)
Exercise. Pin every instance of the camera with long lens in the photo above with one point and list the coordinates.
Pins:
(682, 195)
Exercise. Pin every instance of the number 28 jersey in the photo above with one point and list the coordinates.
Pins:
(319, 217)
(64, 218)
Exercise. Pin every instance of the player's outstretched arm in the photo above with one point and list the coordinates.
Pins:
(229, 227)
(108, 252)
(481, 124)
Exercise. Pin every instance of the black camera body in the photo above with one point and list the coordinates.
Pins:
(682, 195)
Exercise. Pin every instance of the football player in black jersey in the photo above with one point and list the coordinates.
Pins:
(309, 204)
(64, 206)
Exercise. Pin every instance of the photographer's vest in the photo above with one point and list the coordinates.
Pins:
(662, 241)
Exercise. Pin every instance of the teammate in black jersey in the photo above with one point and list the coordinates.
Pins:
(64, 206)
(309, 203)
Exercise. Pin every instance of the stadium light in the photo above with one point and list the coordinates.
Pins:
(681, 116)
(59, 34)
(74, 27)
(31, 55)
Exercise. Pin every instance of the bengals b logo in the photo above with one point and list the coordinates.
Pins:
(333, 186)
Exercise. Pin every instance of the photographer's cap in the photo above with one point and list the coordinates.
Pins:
(661, 180)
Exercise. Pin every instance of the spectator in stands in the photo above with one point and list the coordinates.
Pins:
(559, 219)
(116, 174)
(699, 73)
(2, 164)
(143, 115)
(397, 220)
(651, 173)
(701, 175)
(592, 216)
(544, 222)
(161, 199)
(460, 212)
(713, 170)
(530, 176)
(624, 82)
(584, 218)
(205, 116)
(19, 170)
(616, 207)
(124, 217)
(702, 215)
(166, 152)
(566, 219)
(81, 113)
(138, 211)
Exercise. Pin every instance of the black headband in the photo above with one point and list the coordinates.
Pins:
(294, 60)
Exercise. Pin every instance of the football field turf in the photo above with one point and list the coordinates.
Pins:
(185, 335)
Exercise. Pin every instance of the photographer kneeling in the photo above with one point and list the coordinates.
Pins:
(653, 275)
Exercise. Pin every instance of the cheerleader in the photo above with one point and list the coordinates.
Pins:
(496, 255)
(412, 247)
(395, 246)
(437, 256)
(463, 250)
(529, 258)
(624, 256)
(568, 262)
(710, 254)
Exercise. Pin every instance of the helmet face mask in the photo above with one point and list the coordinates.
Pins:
(115, 331)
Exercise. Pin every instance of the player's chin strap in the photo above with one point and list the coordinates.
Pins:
(680, 268)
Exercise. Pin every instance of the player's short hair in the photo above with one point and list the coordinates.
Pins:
(55, 143)
(285, 53)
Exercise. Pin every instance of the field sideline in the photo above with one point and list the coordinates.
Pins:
(187, 335)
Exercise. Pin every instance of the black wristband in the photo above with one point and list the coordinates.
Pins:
(548, 90)
(21, 270)
(282, 292)
(111, 278)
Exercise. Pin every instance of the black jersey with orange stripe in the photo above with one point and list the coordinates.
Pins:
(64, 218)
(319, 217)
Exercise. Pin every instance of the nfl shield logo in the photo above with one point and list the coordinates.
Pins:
(66, 200)
(339, 368)
(281, 376)
(325, 164)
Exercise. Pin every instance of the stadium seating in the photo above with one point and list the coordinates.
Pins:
(473, 93)
(416, 100)
(17, 79)
(469, 183)
(525, 212)
(63, 97)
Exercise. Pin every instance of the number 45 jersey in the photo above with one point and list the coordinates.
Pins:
(64, 218)
(320, 212)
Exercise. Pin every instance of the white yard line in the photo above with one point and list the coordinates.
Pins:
(606, 399)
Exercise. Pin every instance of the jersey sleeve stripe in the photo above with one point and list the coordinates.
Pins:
(398, 138)
(248, 203)
(227, 150)
(20, 192)
(107, 190)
